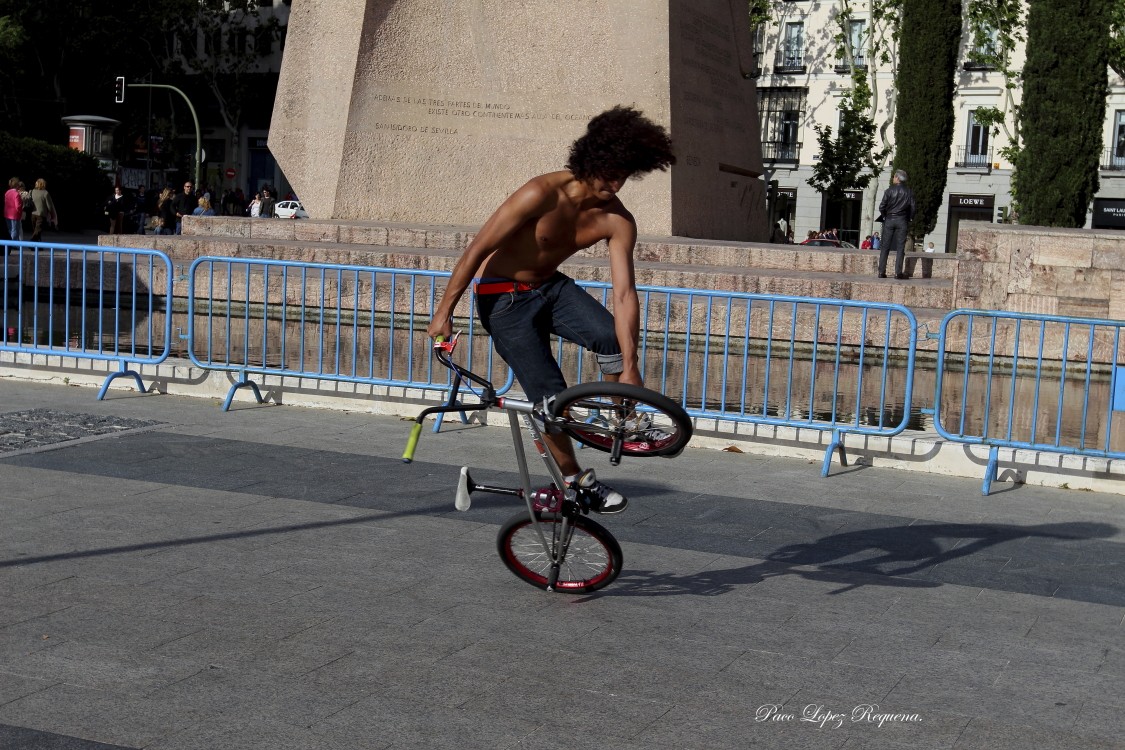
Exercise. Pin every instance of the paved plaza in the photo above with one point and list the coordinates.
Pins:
(272, 578)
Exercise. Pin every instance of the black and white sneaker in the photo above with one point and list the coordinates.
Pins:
(602, 497)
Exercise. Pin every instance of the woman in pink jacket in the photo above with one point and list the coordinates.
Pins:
(13, 208)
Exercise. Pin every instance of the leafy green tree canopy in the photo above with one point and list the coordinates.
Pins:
(931, 35)
(1065, 83)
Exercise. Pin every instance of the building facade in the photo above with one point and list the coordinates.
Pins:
(804, 67)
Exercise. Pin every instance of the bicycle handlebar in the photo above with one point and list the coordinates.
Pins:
(443, 350)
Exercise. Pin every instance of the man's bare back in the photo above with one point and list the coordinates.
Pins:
(573, 219)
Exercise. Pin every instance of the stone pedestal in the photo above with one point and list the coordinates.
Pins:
(425, 111)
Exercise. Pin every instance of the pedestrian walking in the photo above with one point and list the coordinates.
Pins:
(268, 202)
(28, 208)
(13, 208)
(166, 212)
(255, 208)
(895, 210)
(44, 214)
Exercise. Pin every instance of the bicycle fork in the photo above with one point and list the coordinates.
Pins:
(561, 533)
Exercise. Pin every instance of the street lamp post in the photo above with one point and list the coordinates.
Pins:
(194, 117)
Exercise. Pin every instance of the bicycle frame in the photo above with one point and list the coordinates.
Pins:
(517, 409)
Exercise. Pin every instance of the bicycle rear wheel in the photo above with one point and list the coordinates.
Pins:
(593, 557)
(645, 422)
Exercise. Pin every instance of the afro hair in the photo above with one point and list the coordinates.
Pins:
(620, 141)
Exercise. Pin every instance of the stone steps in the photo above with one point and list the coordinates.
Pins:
(674, 262)
(674, 250)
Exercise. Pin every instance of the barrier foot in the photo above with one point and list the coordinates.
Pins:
(837, 445)
(113, 375)
(990, 470)
(241, 384)
(451, 401)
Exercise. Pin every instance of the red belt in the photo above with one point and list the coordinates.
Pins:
(503, 287)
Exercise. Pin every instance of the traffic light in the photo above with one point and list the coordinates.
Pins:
(1001, 215)
(119, 91)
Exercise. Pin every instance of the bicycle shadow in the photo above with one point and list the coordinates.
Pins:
(894, 556)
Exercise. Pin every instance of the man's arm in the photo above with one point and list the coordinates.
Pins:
(626, 306)
(532, 200)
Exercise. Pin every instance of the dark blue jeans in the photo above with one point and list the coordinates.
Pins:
(894, 238)
(522, 323)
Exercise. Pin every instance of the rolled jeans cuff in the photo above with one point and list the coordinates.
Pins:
(611, 364)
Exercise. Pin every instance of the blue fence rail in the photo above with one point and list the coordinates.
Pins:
(96, 303)
(1014, 380)
(730, 356)
(723, 355)
(1048, 380)
(344, 323)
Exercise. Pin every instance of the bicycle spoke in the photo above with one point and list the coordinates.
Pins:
(587, 563)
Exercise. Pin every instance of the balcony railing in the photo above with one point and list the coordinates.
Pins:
(977, 65)
(789, 61)
(972, 157)
(781, 151)
(843, 67)
(1114, 160)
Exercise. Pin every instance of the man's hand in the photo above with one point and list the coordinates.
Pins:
(440, 326)
(632, 376)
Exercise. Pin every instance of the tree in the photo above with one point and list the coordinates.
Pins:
(850, 160)
(925, 83)
(222, 42)
(76, 182)
(71, 51)
(1065, 83)
(997, 26)
(1117, 37)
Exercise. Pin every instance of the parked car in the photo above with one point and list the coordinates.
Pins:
(289, 210)
(822, 242)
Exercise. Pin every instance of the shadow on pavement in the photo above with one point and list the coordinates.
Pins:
(894, 556)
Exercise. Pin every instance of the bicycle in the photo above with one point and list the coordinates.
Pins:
(554, 545)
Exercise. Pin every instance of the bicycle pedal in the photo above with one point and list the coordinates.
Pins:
(465, 486)
(547, 500)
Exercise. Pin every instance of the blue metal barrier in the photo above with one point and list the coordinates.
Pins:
(343, 323)
(730, 356)
(97, 303)
(723, 355)
(1069, 369)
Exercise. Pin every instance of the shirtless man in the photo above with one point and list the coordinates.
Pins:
(523, 299)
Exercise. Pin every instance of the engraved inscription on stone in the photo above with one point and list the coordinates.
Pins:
(410, 112)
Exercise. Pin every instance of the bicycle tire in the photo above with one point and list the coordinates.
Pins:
(593, 560)
(591, 413)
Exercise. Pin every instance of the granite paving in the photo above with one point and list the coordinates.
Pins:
(175, 577)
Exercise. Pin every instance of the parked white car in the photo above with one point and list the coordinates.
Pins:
(289, 210)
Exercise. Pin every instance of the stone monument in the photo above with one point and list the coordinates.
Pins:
(432, 112)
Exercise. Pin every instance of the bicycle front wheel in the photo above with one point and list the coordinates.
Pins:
(645, 423)
(592, 557)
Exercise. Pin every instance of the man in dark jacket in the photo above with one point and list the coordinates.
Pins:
(183, 204)
(896, 210)
(268, 203)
